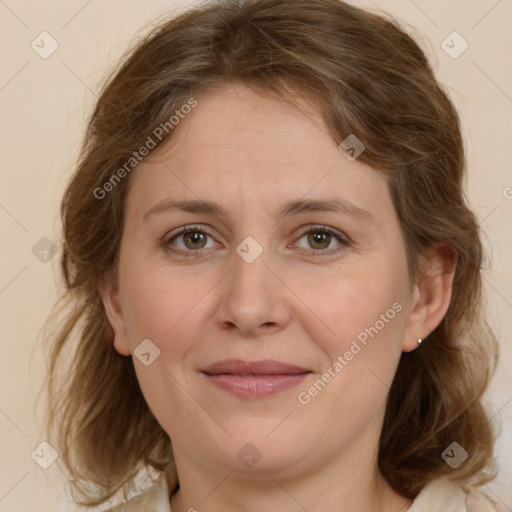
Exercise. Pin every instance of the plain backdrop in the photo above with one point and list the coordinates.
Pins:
(45, 99)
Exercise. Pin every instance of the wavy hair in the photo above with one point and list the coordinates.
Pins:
(369, 78)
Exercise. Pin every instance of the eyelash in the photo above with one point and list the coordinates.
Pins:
(343, 239)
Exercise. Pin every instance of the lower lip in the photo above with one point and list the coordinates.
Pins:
(255, 386)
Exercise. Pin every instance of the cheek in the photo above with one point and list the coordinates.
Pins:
(160, 302)
(365, 313)
(361, 303)
(162, 306)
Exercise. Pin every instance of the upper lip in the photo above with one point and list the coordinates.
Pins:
(263, 367)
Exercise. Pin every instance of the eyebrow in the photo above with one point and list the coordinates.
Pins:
(289, 208)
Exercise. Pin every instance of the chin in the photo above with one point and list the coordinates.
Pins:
(253, 450)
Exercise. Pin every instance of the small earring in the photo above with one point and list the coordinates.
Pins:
(419, 341)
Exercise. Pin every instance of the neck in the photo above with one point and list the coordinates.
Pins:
(329, 487)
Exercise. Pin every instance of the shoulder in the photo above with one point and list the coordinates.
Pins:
(153, 499)
(449, 496)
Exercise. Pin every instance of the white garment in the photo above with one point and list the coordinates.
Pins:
(437, 496)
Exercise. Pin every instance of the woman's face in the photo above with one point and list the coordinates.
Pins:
(266, 273)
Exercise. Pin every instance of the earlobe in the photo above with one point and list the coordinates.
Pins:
(431, 295)
(114, 313)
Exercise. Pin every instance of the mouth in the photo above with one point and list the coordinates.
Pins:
(254, 379)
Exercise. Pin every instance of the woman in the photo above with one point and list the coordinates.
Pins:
(273, 267)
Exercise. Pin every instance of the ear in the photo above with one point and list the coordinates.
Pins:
(431, 295)
(110, 297)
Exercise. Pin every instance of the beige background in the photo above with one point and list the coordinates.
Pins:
(44, 103)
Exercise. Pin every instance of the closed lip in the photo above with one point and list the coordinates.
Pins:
(263, 367)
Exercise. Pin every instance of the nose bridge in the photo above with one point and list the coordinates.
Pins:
(252, 293)
(250, 276)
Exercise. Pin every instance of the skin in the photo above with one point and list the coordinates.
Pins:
(294, 303)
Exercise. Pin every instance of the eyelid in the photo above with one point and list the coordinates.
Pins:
(306, 229)
(320, 227)
(185, 229)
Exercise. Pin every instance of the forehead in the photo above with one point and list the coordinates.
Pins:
(240, 147)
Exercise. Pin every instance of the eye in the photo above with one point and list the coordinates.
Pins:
(322, 239)
(188, 240)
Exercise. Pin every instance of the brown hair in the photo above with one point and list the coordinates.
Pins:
(368, 78)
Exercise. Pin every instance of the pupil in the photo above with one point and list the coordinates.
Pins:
(320, 237)
(195, 237)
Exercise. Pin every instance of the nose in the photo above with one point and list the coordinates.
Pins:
(254, 299)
